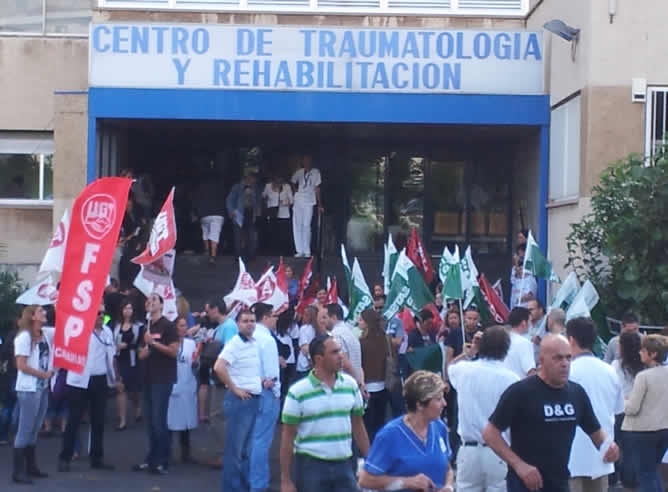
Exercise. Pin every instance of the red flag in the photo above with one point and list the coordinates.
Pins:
(497, 308)
(416, 252)
(306, 279)
(163, 234)
(438, 322)
(333, 292)
(406, 317)
(308, 297)
(96, 221)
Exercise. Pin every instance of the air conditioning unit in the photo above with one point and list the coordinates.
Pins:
(638, 90)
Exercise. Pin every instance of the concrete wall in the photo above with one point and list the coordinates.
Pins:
(24, 237)
(309, 20)
(560, 219)
(563, 75)
(31, 69)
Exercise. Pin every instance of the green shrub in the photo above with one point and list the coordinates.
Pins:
(11, 287)
(622, 245)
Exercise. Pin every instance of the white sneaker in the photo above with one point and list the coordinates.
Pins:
(306, 255)
(299, 255)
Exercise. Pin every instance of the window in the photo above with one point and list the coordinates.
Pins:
(26, 167)
(656, 120)
(565, 150)
(46, 17)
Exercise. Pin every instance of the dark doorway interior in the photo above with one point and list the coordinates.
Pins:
(453, 183)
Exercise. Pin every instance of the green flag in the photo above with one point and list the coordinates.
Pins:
(429, 358)
(407, 288)
(469, 277)
(389, 262)
(360, 295)
(450, 273)
(584, 302)
(347, 273)
(566, 293)
(535, 263)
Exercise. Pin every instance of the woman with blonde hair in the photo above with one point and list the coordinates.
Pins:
(34, 364)
(411, 452)
(646, 415)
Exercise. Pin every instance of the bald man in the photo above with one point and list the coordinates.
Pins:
(542, 413)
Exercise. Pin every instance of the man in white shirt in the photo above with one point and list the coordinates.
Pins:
(479, 386)
(307, 184)
(239, 368)
(537, 324)
(523, 286)
(270, 398)
(90, 390)
(588, 471)
(350, 344)
(520, 358)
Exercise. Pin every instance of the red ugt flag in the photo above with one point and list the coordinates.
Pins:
(416, 252)
(163, 234)
(497, 308)
(96, 221)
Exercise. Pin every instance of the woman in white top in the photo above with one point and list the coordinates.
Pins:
(182, 411)
(626, 367)
(287, 332)
(306, 335)
(34, 364)
(278, 199)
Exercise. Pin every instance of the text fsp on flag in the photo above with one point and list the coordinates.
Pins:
(95, 224)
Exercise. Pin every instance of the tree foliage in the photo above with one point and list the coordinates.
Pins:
(10, 288)
(621, 246)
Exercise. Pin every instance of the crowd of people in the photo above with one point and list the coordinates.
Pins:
(513, 407)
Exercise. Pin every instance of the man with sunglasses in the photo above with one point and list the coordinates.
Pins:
(90, 389)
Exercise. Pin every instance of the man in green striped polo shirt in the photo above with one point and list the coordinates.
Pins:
(322, 413)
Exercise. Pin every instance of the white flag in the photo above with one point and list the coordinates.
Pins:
(55, 254)
(43, 293)
(269, 292)
(584, 302)
(244, 290)
(469, 276)
(567, 292)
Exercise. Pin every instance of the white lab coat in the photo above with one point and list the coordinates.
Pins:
(182, 412)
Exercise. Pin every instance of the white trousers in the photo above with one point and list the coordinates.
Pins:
(479, 469)
(302, 214)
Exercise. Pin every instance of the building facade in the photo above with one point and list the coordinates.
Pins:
(442, 121)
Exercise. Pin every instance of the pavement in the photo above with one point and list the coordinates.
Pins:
(124, 449)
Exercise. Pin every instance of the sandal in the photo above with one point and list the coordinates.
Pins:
(121, 428)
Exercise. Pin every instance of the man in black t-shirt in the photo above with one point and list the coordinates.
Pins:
(542, 413)
(158, 350)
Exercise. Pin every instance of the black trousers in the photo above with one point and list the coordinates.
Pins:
(95, 399)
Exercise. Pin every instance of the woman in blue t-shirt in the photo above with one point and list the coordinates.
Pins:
(411, 452)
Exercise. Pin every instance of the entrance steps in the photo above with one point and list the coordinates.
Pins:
(200, 281)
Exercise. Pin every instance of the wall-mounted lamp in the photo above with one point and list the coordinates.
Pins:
(564, 31)
(612, 9)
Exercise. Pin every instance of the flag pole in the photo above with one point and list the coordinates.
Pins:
(461, 322)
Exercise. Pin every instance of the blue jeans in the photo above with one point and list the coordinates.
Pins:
(156, 404)
(324, 476)
(32, 410)
(646, 450)
(263, 436)
(240, 416)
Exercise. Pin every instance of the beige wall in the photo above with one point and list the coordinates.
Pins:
(26, 234)
(563, 75)
(634, 45)
(70, 157)
(31, 69)
(560, 220)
